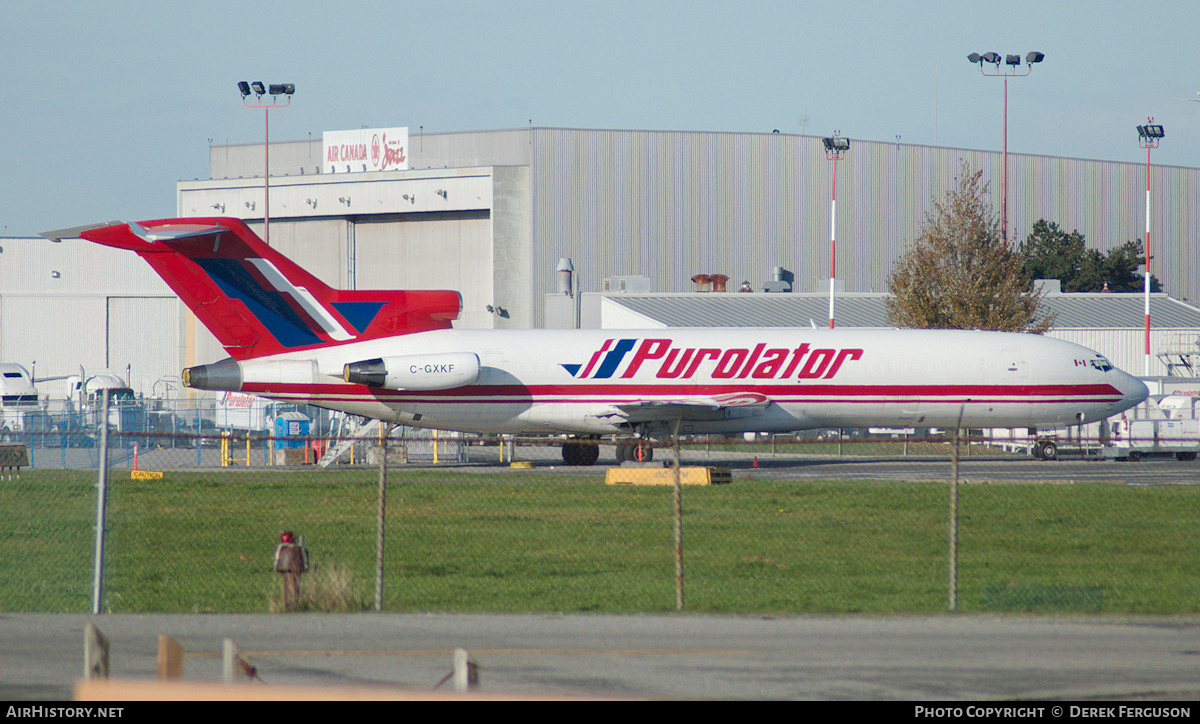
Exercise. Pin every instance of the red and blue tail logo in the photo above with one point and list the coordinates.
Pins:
(257, 301)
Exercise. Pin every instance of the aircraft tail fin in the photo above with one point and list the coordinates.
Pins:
(255, 300)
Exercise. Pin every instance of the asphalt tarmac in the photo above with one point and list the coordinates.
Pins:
(972, 468)
(908, 658)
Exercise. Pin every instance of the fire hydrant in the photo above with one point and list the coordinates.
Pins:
(291, 559)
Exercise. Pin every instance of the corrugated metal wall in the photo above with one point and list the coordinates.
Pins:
(144, 339)
(673, 204)
(77, 304)
(451, 251)
(29, 322)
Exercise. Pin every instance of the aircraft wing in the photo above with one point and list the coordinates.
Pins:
(699, 408)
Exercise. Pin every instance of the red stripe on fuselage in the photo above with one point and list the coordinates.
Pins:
(777, 393)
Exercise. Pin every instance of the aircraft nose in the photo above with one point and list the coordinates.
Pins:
(1133, 390)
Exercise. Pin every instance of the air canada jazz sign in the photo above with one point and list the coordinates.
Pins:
(366, 149)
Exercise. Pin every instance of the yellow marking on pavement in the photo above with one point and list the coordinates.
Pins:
(496, 652)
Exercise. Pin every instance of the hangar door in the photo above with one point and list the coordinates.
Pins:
(59, 333)
(144, 339)
(429, 251)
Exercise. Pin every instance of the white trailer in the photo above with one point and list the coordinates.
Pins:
(1164, 425)
(241, 411)
(1145, 438)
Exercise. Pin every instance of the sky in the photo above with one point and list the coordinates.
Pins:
(107, 105)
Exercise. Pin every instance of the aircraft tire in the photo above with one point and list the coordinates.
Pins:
(580, 453)
(570, 453)
(626, 451)
(643, 451)
(1048, 450)
(589, 453)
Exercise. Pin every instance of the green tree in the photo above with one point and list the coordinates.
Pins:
(959, 275)
(1051, 253)
(1121, 269)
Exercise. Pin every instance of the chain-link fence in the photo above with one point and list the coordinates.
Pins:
(192, 523)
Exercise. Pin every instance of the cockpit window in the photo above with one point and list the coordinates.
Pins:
(1101, 364)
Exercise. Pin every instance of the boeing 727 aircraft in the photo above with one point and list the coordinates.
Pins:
(395, 356)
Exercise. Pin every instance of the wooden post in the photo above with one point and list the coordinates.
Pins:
(170, 658)
(466, 672)
(236, 668)
(95, 653)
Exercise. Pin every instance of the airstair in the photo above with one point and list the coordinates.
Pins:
(349, 430)
(1182, 356)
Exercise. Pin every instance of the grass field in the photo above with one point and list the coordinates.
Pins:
(204, 541)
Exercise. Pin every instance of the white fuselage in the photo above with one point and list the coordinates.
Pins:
(598, 382)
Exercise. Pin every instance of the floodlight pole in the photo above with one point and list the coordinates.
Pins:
(1011, 63)
(1149, 136)
(259, 92)
(835, 150)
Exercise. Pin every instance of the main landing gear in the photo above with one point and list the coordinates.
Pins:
(637, 450)
(580, 452)
(587, 452)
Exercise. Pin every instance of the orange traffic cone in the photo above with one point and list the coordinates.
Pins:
(756, 461)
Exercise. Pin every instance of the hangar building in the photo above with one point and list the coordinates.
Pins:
(490, 213)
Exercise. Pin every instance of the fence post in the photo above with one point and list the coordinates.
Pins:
(953, 552)
(101, 497)
(384, 429)
(678, 521)
(199, 432)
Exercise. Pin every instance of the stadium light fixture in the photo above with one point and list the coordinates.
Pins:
(836, 144)
(1150, 132)
(276, 89)
(1149, 137)
(835, 150)
(1011, 70)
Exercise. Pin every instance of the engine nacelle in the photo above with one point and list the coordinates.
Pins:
(231, 375)
(415, 371)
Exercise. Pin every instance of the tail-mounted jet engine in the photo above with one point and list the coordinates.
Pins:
(415, 372)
